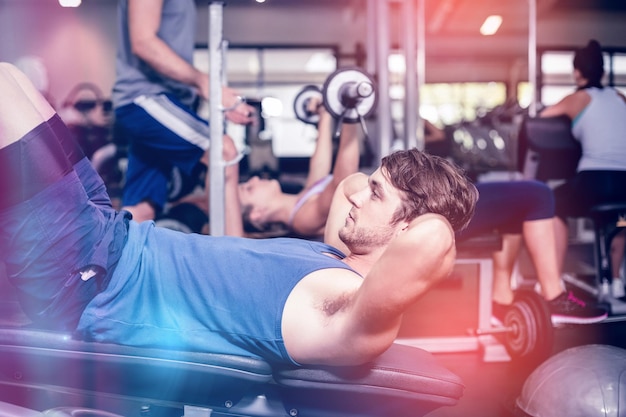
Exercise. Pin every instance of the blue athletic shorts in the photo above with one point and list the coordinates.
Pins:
(162, 133)
(92, 182)
(59, 246)
(504, 206)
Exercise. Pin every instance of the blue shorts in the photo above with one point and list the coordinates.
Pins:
(92, 183)
(504, 206)
(59, 242)
(162, 133)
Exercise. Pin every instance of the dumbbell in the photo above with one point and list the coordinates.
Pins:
(302, 101)
(348, 94)
(527, 331)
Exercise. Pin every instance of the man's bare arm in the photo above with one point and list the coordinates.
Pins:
(421, 255)
(144, 19)
(335, 317)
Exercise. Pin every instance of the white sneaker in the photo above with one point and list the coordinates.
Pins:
(617, 288)
(605, 291)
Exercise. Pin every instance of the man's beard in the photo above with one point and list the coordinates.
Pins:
(361, 240)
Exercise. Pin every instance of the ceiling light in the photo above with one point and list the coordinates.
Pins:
(69, 3)
(491, 25)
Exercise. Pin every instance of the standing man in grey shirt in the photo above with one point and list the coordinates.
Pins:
(155, 95)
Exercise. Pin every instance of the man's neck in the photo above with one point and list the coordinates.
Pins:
(363, 263)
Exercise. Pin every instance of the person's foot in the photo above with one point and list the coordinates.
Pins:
(617, 288)
(568, 308)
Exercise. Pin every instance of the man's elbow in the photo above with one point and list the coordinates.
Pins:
(140, 47)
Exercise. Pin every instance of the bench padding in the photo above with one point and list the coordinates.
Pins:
(41, 370)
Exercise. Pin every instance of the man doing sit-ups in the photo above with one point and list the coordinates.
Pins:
(79, 265)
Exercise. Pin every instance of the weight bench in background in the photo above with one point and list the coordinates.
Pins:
(43, 370)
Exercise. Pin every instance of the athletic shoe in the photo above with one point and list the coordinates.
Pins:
(617, 288)
(568, 308)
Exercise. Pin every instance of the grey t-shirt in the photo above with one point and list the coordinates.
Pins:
(133, 76)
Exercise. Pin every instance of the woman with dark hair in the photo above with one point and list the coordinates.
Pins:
(598, 116)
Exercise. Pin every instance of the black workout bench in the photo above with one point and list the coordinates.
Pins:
(51, 371)
(43, 370)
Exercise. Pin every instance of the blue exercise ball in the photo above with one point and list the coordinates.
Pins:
(583, 381)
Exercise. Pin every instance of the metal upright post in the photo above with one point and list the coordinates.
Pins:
(216, 164)
(371, 37)
(382, 56)
(532, 56)
(411, 90)
(421, 69)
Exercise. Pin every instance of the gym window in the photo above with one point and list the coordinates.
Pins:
(556, 69)
(280, 73)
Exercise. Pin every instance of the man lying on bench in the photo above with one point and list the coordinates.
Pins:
(79, 265)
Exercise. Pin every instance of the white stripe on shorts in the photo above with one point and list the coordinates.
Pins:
(175, 119)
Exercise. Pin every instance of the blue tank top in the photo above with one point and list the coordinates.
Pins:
(202, 293)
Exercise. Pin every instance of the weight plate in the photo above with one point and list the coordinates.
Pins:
(531, 334)
(301, 102)
(335, 101)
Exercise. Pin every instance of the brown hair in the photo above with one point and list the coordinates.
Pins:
(430, 184)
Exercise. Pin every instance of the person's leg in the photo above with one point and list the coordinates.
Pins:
(20, 109)
(561, 232)
(55, 243)
(94, 186)
(568, 203)
(503, 264)
(540, 240)
(585, 190)
(617, 258)
(144, 184)
(530, 203)
(162, 133)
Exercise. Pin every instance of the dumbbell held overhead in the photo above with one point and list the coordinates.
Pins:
(302, 104)
(349, 95)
